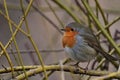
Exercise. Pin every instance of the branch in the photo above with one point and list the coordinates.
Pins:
(108, 76)
(38, 69)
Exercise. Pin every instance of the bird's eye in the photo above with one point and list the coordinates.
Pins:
(72, 29)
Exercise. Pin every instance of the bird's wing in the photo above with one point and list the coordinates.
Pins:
(93, 42)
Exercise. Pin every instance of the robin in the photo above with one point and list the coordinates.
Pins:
(81, 44)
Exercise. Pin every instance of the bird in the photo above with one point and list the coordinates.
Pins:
(80, 43)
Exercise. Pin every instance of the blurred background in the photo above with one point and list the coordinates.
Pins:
(43, 22)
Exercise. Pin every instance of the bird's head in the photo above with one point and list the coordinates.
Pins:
(70, 31)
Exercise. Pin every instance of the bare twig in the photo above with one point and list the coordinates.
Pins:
(38, 69)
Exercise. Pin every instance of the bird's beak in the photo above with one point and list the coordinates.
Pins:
(62, 29)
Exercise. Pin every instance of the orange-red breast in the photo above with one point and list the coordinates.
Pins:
(81, 44)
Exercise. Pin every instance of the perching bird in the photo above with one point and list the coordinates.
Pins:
(81, 44)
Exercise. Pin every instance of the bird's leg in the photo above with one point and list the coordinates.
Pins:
(86, 68)
(77, 65)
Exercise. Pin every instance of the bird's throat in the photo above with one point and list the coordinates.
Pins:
(69, 39)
